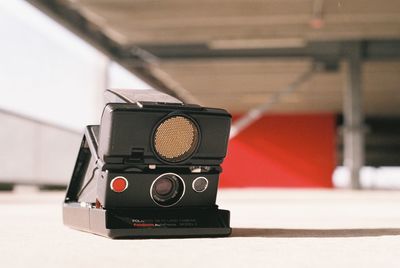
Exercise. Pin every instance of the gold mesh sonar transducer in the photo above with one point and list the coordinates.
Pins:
(176, 138)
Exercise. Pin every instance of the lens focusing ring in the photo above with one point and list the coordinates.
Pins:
(167, 189)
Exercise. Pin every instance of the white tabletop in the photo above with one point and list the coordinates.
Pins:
(272, 228)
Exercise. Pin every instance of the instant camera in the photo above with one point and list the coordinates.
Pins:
(150, 169)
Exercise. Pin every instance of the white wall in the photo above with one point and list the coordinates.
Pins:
(33, 153)
(50, 75)
(118, 77)
(46, 72)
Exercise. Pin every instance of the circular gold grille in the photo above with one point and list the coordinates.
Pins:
(176, 138)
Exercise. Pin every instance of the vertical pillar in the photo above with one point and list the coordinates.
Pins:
(354, 151)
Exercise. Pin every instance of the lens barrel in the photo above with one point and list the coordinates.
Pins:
(167, 189)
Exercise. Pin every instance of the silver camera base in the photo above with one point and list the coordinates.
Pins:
(148, 223)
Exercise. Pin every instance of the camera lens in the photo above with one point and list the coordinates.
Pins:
(167, 189)
(164, 186)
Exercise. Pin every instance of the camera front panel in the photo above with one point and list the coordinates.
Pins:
(162, 190)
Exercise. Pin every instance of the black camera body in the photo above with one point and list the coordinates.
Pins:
(150, 169)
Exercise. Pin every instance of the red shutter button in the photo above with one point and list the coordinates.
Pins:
(119, 184)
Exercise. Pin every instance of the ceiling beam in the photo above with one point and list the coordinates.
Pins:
(371, 50)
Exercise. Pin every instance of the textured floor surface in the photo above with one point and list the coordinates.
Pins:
(272, 228)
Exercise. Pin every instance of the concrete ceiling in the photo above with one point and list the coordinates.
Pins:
(240, 83)
(192, 21)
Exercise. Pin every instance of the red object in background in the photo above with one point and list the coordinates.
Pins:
(283, 151)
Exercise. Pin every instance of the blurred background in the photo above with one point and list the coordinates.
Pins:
(313, 85)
